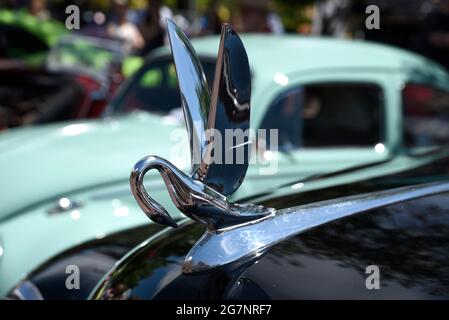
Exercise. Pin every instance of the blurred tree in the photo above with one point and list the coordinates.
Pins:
(294, 13)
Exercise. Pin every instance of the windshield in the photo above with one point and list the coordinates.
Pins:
(154, 88)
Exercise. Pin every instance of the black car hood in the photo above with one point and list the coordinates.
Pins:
(335, 253)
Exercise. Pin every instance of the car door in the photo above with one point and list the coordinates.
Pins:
(326, 122)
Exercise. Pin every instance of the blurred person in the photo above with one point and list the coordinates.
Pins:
(254, 15)
(258, 16)
(183, 23)
(331, 18)
(38, 8)
(95, 25)
(209, 22)
(275, 23)
(153, 25)
(433, 41)
(122, 29)
(291, 105)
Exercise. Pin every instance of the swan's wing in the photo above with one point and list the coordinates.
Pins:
(220, 163)
(229, 115)
(195, 93)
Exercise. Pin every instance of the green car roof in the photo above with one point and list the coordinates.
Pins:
(291, 54)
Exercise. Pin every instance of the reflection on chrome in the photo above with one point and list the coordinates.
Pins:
(201, 195)
(235, 233)
(195, 92)
(193, 198)
(227, 109)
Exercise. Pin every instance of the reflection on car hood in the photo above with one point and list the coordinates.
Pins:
(45, 162)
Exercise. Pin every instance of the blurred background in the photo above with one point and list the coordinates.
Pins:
(49, 72)
(405, 23)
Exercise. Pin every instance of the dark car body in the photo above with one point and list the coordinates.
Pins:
(408, 241)
(31, 96)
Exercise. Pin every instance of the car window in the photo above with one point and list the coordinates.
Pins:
(426, 116)
(327, 115)
(155, 89)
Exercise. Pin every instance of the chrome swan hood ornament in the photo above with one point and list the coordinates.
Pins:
(217, 167)
(236, 234)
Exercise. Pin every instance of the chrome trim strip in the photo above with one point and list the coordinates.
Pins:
(219, 248)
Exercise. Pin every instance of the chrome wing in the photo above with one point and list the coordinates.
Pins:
(207, 118)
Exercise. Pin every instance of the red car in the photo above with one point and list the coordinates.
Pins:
(80, 76)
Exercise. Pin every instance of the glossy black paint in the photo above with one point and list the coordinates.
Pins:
(409, 242)
(94, 259)
(154, 272)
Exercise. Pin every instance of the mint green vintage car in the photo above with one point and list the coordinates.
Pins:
(337, 104)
